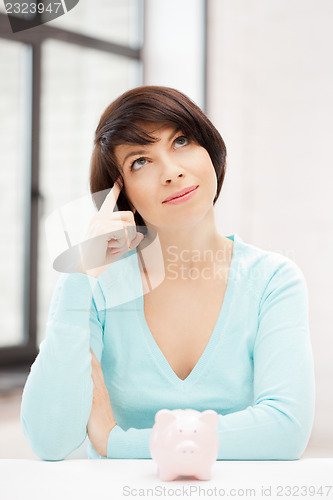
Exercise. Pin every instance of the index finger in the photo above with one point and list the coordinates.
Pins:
(111, 199)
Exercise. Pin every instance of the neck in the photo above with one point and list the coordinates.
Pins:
(187, 251)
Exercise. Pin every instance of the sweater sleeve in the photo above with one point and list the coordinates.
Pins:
(57, 396)
(278, 425)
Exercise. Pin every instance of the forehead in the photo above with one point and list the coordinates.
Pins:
(154, 129)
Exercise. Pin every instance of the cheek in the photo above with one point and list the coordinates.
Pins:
(207, 169)
(138, 196)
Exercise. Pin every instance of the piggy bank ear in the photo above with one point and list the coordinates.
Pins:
(210, 417)
(164, 417)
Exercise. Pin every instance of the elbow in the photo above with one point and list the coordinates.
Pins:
(51, 451)
(301, 428)
(51, 445)
(296, 447)
(295, 440)
(48, 455)
(293, 453)
(283, 446)
(293, 431)
(287, 437)
(43, 448)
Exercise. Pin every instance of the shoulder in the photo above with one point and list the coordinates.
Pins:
(267, 261)
(264, 269)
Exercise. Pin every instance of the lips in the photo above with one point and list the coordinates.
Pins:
(180, 193)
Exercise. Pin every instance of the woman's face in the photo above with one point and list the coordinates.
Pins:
(151, 174)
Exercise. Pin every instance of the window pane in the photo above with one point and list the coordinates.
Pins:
(77, 85)
(12, 185)
(118, 21)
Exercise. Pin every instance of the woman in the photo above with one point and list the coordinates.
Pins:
(224, 326)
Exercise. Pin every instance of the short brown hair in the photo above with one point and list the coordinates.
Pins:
(119, 125)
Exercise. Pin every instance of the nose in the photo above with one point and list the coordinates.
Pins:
(187, 448)
(172, 177)
(171, 169)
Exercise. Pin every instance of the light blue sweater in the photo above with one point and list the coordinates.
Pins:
(256, 371)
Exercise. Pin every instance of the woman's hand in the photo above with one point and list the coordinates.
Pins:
(101, 420)
(110, 234)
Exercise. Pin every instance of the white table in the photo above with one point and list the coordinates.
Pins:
(120, 479)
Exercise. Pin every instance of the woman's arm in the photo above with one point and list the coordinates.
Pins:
(57, 396)
(278, 425)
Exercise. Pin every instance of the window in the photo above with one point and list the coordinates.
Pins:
(55, 83)
(13, 57)
(68, 121)
(112, 20)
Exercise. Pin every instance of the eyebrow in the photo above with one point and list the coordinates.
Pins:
(134, 153)
(142, 152)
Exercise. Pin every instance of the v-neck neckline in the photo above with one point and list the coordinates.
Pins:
(214, 338)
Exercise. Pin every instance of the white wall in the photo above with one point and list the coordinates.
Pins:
(174, 46)
(270, 95)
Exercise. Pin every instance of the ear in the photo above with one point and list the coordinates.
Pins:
(210, 417)
(164, 417)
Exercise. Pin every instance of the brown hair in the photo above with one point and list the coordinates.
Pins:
(119, 125)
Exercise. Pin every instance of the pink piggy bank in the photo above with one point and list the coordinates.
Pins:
(184, 443)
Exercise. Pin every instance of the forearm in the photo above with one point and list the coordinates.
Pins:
(133, 443)
(261, 432)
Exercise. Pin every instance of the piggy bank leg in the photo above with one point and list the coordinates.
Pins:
(166, 475)
(204, 475)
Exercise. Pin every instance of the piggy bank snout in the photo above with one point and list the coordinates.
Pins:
(187, 447)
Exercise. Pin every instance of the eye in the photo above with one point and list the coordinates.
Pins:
(139, 162)
(181, 141)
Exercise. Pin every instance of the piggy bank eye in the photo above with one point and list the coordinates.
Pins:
(195, 430)
(180, 430)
